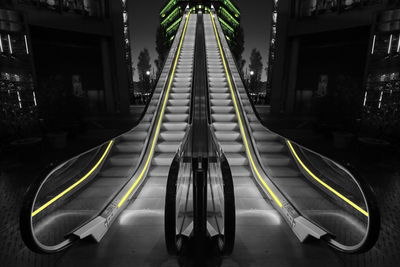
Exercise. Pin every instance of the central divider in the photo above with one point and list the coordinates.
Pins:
(200, 207)
(200, 142)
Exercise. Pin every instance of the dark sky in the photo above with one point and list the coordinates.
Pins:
(144, 20)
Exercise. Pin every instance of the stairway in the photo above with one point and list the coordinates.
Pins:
(223, 114)
(176, 116)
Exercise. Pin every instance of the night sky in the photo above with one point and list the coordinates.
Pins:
(144, 20)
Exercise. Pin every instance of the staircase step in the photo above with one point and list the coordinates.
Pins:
(176, 117)
(270, 147)
(224, 117)
(228, 135)
(163, 159)
(129, 147)
(116, 172)
(159, 171)
(241, 171)
(135, 136)
(181, 102)
(221, 102)
(237, 159)
(226, 126)
(172, 135)
(265, 136)
(167, 147)
(125, 159)
(220, 96)
(177, 109)
(144, 126)
(234, 147)
(225, 110)
(179, 96)
(174, 126)
(275, 159)
(283, 172)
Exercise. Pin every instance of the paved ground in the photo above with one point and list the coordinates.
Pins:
(383, 173)
(380, 168)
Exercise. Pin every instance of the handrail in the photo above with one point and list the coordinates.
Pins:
(373, 223)
(227, 241)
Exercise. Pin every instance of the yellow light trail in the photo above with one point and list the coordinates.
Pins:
(160, 119)
(246, 143)
(348, 201)
(63, 193)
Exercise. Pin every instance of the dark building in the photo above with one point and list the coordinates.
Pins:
(75, 55)
(323, 58)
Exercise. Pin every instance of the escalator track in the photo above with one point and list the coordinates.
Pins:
(83, 196)
(317, 197)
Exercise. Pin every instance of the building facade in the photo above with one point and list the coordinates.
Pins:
(321, 53)
(74, 55)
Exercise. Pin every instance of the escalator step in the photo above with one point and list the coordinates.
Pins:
(159, 171)
(125, 159)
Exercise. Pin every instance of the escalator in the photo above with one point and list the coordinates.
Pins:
(83, 196)
(317, 197)
(203, 170)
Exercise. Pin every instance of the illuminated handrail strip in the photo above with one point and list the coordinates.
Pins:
(246, 143)
(160, 119)
(66, 191)
(348, 201)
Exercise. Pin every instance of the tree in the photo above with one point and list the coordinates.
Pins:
(256, 67)
(238, 48)
(161, 48)
(144, 67)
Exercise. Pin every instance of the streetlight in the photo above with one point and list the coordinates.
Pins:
(251, 73)
(148, 73)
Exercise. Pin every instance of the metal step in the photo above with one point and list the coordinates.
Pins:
(172, 135)
(226, 126)
(233, 147)
(167, 147)
(224, 117)
(275, 159)
(265, 136)
(174, 126)
(219, 109)
(158, 171)
(270, 147)
(176, 117)
(237, 159)
(241, 171)
(129, 147)
(118, 171)
(184, 102)
(177, 109)
(228, 135)
(135, 136)
(125, 159)
(163, 159)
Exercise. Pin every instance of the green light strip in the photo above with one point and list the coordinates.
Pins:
(232, 7)
(229, 16)
(226, 25)
(167, 8)
(173, 26)
(171, 16)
